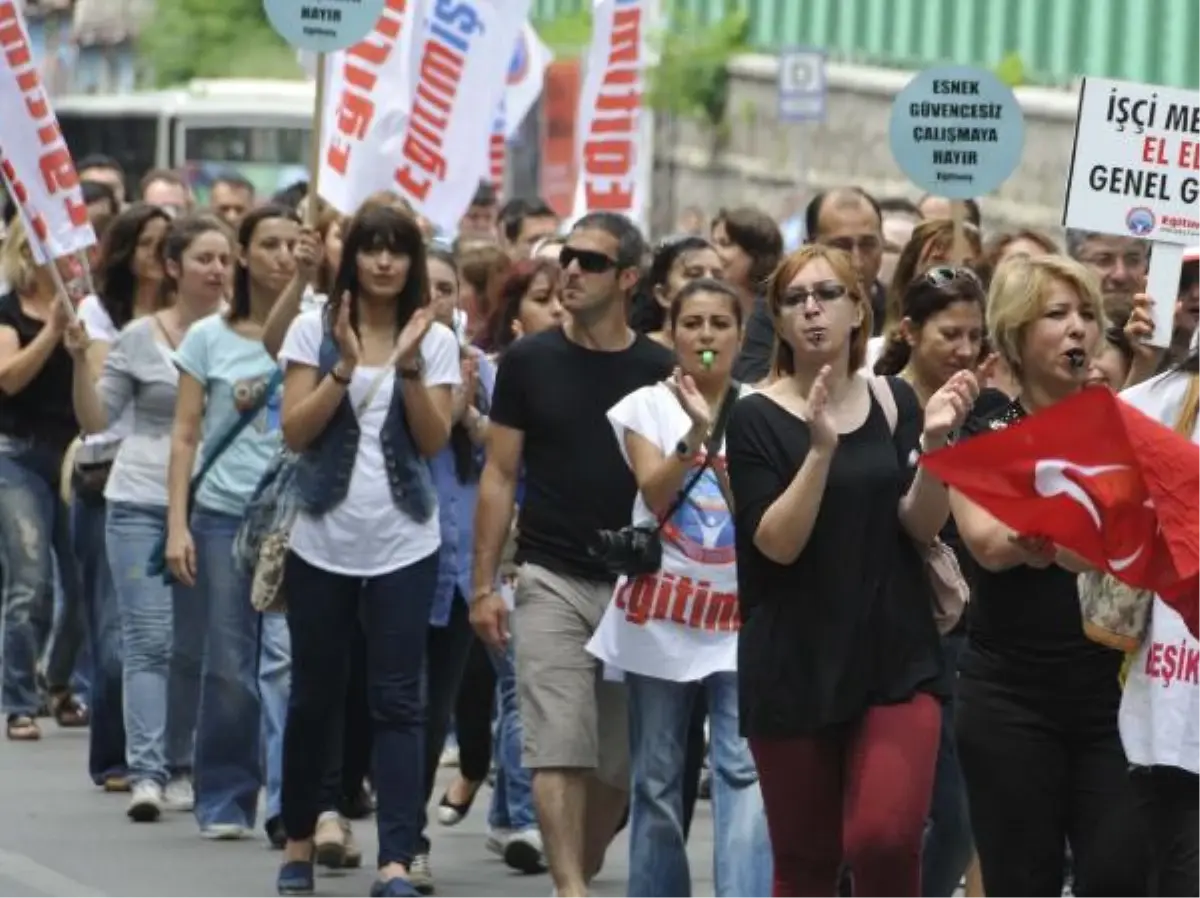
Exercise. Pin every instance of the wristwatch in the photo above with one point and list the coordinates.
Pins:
(411, 372)
(339, 378)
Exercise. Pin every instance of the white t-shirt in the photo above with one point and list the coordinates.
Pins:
(1159, 718)
(680, 624)
(365, 535)
(100, 327)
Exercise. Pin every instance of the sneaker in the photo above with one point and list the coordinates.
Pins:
(353, 857)
(146, 803)
(224, 832)
(420, 874)
(497, 838)
(179, 796)
(330, 841)
(295, 878)
(524, 851)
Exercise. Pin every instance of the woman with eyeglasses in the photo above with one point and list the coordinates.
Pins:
(940, 332)
(830, 512)
(1036, 715)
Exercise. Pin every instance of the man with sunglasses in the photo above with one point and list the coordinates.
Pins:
(549, 417)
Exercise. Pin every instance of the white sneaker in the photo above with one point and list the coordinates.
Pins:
(497, 838)
(146, 803)
(420, 874)
(179, 795)
(524, 851)
(224, 832)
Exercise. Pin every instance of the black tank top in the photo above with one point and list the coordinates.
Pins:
(43, 411)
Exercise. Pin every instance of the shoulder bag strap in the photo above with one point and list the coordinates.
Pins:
(235, 430)
(712, 446)
(886, 397)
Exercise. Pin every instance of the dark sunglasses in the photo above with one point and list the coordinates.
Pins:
(945, 275)
(589, 260)
(823, 292)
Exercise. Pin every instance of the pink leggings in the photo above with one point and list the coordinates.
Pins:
(859, 792)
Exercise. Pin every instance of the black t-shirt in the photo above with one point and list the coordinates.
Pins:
(558, 393)
(1024, 622)
(849, 624)
(43, 411)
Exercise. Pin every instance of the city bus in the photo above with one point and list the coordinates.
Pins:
(259, 129)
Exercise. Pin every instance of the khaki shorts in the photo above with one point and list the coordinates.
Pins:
(572, 717)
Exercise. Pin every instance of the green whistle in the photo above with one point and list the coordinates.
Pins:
(707, 358)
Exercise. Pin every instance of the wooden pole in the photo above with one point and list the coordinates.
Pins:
(314, 164)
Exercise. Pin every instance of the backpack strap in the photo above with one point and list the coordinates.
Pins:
(882, 391)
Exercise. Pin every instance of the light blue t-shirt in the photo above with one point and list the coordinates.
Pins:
(234, 371)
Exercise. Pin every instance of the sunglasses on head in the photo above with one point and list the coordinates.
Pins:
(944, 275)
(590, 261)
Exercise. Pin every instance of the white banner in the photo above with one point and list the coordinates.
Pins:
(614, 145)
(37, 162)
(526, 77)
(465, 52)
(498, 148)
(368, 92)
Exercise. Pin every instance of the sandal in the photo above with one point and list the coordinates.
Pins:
(23, 728)
(69, 712)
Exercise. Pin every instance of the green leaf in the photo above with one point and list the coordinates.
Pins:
(1011, 70)
(214, 39)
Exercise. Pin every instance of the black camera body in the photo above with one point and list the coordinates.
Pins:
(630, 551)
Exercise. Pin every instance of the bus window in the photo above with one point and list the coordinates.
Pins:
(130, 139)
(263, 155)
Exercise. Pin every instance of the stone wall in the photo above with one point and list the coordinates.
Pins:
(775, 165)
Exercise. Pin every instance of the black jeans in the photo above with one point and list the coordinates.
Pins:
(445, 660)
(1043, 769)
(350, 738)
(323, 611)
(1166, 798)
(473, 714)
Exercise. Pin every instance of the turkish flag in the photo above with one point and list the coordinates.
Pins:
(1097, 477)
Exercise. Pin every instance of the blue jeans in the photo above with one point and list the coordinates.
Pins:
(948, 844)
(106, 749)
(660, 712)
(162, 628)
(322, 612)
(34, 533)
(228, 765)
(512, 795)
(274, 684)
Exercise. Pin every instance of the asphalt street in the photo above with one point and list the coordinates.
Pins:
(59, 835)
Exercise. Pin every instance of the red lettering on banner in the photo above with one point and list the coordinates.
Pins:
(682, 601)
(1174, 662)
(356, 107)
(57, 169)
(609, 153)
(440, 74)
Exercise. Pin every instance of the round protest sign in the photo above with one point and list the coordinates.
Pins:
(323, 26)
(957, 131)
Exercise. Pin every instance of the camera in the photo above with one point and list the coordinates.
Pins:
(630, 551)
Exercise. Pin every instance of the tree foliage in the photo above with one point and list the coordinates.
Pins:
(214, 39)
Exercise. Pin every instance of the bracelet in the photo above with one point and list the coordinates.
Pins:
(343, 379)
(413, 373)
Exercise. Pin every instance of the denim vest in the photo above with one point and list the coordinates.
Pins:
(323, 469)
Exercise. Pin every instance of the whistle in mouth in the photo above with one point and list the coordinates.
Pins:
(707, 358)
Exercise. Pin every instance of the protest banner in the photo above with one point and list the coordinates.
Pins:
(37, 162)
(1135, 171)
(369, 88)
(613, 141)
(322, 26)
(957, 132)
(461, 66)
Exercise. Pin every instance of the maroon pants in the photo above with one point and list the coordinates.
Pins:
(859, 792)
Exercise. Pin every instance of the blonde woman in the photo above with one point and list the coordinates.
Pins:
(1037, 701)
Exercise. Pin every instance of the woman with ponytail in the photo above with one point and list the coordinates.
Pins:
(940, 331)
